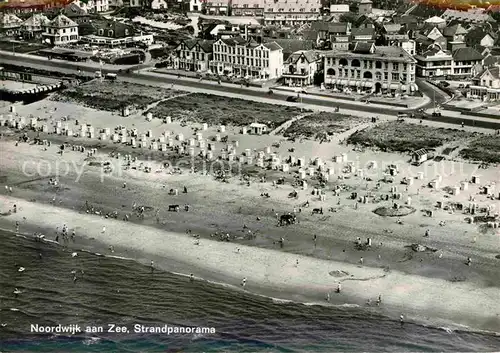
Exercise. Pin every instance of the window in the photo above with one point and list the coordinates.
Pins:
(343, 62)
(355, 63)
(386, 76)
(367, 74)
(395, 76)
(378, 76)
(330, 72)
(395, 66)
(378, 64)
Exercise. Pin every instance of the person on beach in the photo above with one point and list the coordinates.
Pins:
(369, 302)
(17, 227)
(73, 234)
(402, 320)
(185, 190)
(379, 300)
(244, 282)
(327, 297)
(282, 242)
(191, 278)
(427, 233)
(103, 229)
(152, 266)
(339, 287)
(297, 263)
(315, 238)
(10, 189)
(15, 208)
(361, 261)
(469, 261)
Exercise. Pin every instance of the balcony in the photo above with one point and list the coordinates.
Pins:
(295, 74)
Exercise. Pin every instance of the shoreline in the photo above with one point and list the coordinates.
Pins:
(271, 271)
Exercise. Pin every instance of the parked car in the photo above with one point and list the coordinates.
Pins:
(292, 99)
(444, 83)
(111, 77)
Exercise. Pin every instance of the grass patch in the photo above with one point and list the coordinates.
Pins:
(405, 137)
(213, 109)
(113, 96)
(484, 149)
(20, 47)
(319, 126)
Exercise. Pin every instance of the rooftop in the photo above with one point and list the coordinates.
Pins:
(62, 21)
(467, 16)
(309, 55)
(466, 54)
(381, 52)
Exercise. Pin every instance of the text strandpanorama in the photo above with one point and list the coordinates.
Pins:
(114, 328)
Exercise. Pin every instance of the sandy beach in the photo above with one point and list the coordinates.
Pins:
(433, 286)
(421, 290)
(270, 271)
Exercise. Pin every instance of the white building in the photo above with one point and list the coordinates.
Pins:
(61, 30)
(35, 25)
(435, 22)
(336, 11)
(247, 7)
(93, 6)
(300, 67)
(194, 5)
(486, 85)
(159, 5)
(368, 68)
(290, 12)
(257, 128)
(217, 7)
(242, 58)
(467, 62)
(10, 24)
(434, 62)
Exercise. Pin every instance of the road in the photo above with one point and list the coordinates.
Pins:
(437, 96)
(137, 77)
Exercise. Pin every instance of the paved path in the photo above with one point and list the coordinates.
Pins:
(235, 91)
(286, 124)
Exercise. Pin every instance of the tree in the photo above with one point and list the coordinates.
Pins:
(348, 17)
(318, 78)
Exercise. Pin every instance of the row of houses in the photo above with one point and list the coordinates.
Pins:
(362, 67)
(62, 30)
